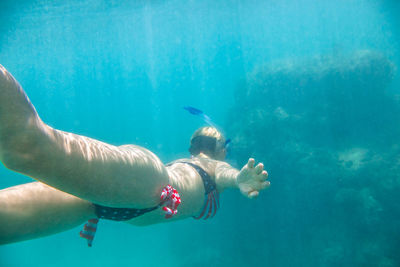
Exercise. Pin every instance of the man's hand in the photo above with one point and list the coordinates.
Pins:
(251, 180)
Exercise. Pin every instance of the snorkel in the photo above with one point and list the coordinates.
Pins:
(200, 114)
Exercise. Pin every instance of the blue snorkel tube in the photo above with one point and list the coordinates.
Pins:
(206, 119)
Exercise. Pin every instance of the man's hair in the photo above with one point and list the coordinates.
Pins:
(206, 140)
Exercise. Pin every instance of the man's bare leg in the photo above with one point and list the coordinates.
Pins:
(35, 210)
(126, 176)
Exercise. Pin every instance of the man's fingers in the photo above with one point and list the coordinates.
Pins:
(253, 194)
(263, 176)
(250, 163)
(259, 168)
(265, 184)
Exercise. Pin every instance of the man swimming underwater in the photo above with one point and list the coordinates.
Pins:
(80, 179)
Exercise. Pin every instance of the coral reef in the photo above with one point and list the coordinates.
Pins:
(324, 127)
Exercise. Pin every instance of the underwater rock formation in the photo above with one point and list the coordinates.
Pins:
(324, 127)
(328, 100)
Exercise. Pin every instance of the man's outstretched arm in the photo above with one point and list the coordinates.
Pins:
(250, 179)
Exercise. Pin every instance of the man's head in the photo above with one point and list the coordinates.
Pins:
(209, 141)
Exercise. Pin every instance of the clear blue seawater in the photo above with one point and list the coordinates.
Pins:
(311, 88)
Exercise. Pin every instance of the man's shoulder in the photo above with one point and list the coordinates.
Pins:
(205, 163)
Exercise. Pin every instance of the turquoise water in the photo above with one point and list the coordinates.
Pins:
(311, 88)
